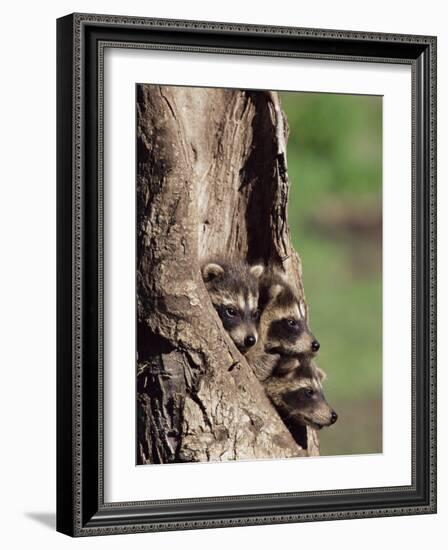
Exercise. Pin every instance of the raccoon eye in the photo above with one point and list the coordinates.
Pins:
(231, 311)
(256, 314)
(309, 392)
(292, 322)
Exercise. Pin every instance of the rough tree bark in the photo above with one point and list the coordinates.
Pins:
(211, 179)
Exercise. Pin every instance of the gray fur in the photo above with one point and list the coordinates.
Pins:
(233, 287)
(289, 394)
(273, 352)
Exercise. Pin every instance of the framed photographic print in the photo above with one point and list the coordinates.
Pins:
(246, 274)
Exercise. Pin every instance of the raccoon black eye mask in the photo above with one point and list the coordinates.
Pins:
(232, 315)
(286, 329)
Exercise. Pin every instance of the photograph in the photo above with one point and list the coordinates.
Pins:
(258, 274)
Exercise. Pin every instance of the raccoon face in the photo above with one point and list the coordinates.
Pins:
(233, 290)
(300, 399)
(240, 320)
(290, 335)
(307, 405)
(287, 331)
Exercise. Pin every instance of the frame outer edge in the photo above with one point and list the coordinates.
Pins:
(246, 28)
(78, 260)
(65, 367)
(433, 273)
(70, 236)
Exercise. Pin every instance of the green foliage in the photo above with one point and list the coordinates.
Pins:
(334, 144)
(335, 157)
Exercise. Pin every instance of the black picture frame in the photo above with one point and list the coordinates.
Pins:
(81, 510)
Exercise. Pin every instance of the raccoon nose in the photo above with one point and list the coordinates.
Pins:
(249, 341)
(334, 417)
(315, 345)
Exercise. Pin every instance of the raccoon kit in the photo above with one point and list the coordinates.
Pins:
(284, 335)
(298, 397)
(233, 289)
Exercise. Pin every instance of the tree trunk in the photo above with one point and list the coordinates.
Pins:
(211, 180)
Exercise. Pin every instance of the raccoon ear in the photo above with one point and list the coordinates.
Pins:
(257, 270)
(321, 375)
(210, 271)
(274, 291)
(287, 368)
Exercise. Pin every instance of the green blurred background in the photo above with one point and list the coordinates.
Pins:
(335, 163)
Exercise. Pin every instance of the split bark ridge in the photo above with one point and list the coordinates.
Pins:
(211, 180)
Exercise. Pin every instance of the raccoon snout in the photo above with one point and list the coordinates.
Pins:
(334, 417)
(315, 346)
(250, 341)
